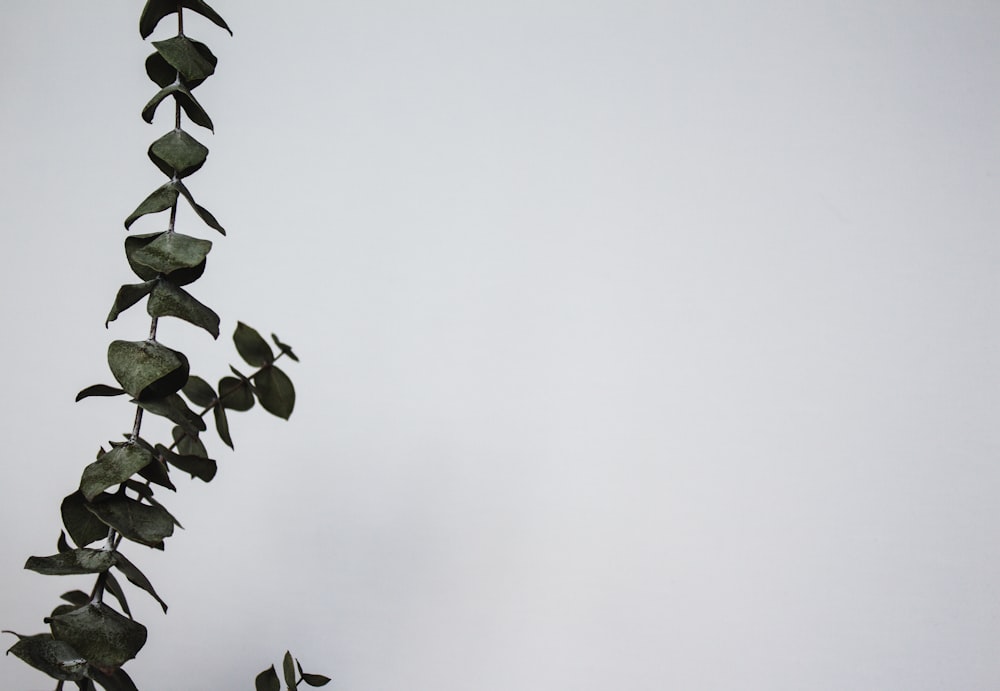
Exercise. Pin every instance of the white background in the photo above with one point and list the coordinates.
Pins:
(645, 345)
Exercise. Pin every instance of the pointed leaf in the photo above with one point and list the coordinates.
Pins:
(183, 96)
(117, 680)
(100, 634)
(167, 300)
(235, 394)
(222, 424)
(99, 390)
(275, 391)
(127, 296)
(251, 346)
(188, 445)
(199, 392)
(115, 588)
(71, 563)
(155, 10)
(181, 53)
(137, 577)
(146, 369)
(284, 348)
(288, 668)
(196, 466)
(315, 679)
(267, 680)
(178, 153)
(176, 410)
(163, 198)
(158, 474)
(113, 468)
(147, 525)
(58, 659)
(76, 597)
(203, 213)
(61, 544)
(81, 525)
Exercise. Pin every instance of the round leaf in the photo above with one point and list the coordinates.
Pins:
(146, 369)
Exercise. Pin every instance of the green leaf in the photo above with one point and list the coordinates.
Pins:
(275, 391)
(117, 680)
(177, 153)
(288, 668)
(168, 252)
(147, 525)
(222, 424)
(61, 544)
(137, 577)
(203, 213)
(100, 634)
(146, 369)
(113, 468)
(199, 392)
(171, 253)
(315, 679)
(196, 466)
(127, 296)
(81, 525)
(58, 659)
(115, 588)
(235, 394)
(167, 300)
(76, 597)
(71, 563)
(182, 54)
(176, 410)
(284, 348)
(155, 10)
(183, 96)
(188, 445)
(99, 390)
(161, 199)
(251, 346)
(267, 680)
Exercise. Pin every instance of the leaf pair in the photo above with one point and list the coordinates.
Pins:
(165, 197)
(268, 679)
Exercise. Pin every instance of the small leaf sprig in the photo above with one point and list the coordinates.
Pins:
(268, 679)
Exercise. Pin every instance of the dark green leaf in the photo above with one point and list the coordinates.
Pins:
(235, 394)
(58, 659)
(100, 634)
(81, 525)
(222, 425)
(275, 391)
(284, 348)
(268, 680)
(77, 561)
(117, 680)
(99, 390)
(288, 668)
(167, 300)
(196, 466)
(113, 468)
(183, 96)
(160, 71)
(115, 588)
(163, 198)
(315, 679)
(155, 10)
(171, 256)
(127, 296)
(157, 473)
(199, 391)
(76, 597)
(137, 577)
(146, 369)
(181, 53)
(188, 445)
(147, 525)
(177, 153)
(203, 213)
(176, 410)
(251, 346)
(168, 252)
(61, 544)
